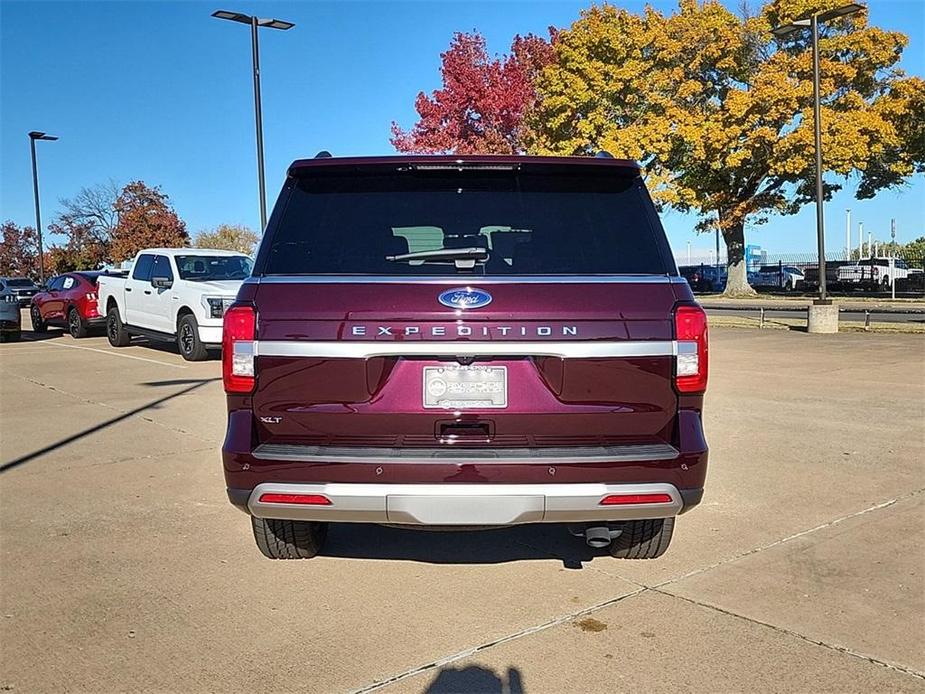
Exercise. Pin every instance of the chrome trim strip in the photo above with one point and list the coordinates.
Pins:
(464, 504)
(449, 455)
(588, 349)
(475, 279)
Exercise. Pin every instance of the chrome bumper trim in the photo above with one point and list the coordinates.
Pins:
(464, 504)
(451, 455)
(577, 349)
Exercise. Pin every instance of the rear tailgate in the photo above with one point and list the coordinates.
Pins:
(586, 363)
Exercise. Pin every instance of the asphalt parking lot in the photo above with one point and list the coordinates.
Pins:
(125, 569)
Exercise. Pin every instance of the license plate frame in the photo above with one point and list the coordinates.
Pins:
(465, 380)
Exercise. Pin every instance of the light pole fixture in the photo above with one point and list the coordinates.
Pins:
(33, 136)
(255, 23)
(781, 32)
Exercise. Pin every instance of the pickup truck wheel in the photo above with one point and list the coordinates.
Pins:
(38, 325)
(76, 325)
(188, 342)
(643, 539)
(115, 329)
(286, 539)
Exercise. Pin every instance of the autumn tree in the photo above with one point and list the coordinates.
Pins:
(228, 237)
(87, 221)
(18, 251)
(719, 111)
(145, 220)
(482, 105)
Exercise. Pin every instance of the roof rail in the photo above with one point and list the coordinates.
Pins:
(603, 154)
(324, 154)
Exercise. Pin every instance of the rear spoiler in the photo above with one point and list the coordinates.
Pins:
(496, 162)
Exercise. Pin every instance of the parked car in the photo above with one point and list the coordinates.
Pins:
(873, 273)
(22, 287)
(811, 274)
(784, 277)
(174, 294)
(10, 320)
(68, 301)
(460, 385)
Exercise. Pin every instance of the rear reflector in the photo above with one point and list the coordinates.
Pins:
(304, 499)
(690, 327)
(620, 499)
(238, 335)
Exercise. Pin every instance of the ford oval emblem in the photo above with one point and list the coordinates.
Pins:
(464, 298)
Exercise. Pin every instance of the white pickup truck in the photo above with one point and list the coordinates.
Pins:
(873, 273)
(174, 294)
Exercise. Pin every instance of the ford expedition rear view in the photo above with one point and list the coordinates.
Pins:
(465, 342)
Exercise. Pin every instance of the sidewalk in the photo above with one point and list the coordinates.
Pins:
(796, 303)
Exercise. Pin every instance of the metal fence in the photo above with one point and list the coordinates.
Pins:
(878, 276)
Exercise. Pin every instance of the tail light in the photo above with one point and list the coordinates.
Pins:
(91, 296)
(690, 328)
(238, 335)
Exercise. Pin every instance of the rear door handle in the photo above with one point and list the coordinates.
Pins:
(128, 289)
(147, 291)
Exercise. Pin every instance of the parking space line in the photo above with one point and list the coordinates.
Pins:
(112, 354)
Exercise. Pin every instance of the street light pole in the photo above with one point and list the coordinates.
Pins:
(817, 126)
(258, 112)
(255, 23)
(826, 315)
(33, 136)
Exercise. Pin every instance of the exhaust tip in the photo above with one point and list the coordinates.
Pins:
(597, 537)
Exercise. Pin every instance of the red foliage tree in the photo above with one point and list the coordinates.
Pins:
(482, 104)
(146, 220)
(18, 251)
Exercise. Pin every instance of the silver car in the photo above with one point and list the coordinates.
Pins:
(10, 320)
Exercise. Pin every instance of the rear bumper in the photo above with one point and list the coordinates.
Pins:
(464, 504)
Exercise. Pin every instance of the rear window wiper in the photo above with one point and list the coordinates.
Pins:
(462, 258)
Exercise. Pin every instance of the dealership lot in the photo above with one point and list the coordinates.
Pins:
(124, 567)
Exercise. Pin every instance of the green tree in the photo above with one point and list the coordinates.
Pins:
(228, 237)
(719, 111)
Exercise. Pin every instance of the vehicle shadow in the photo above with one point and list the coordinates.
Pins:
(476, 680)
(169, 347)
(538, 541)
(52, 334)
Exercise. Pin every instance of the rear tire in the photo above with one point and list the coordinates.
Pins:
(643, 539)
(76, 325)
(38, 325)
(286, 539)
(188, 342)
(115, 329)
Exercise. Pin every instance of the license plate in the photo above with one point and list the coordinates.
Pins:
(465, 387)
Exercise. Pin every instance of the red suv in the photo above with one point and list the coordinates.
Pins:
(465, 341)
(69, 301)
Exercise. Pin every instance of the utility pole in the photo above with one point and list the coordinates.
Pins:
(860, 240)
(848, 234)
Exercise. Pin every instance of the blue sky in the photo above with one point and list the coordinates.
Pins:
(160, 91)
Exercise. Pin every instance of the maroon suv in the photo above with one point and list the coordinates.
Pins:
(457, 342)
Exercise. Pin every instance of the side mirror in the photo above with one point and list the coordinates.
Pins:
(161, 282)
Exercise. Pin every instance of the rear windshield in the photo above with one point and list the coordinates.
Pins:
(487, 222)
(206, 268)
